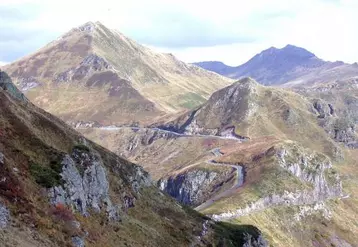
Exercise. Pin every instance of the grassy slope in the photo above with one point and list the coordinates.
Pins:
(30, 135)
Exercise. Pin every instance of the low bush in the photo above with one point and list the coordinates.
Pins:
(47, 176)
(81, 147)
(62, 212)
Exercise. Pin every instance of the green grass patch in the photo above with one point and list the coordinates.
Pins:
(190, 100)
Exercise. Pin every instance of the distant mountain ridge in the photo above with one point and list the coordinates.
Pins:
(290, 65)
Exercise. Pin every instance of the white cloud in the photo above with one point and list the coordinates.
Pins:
(228, 30)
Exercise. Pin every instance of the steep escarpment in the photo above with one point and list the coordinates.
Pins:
(337, 105)
(92, 73)
(316, 181)
(195, 186)
(60, 189)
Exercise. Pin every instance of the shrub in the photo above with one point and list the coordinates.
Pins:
(62, 212)
(47, 176)
(81, 147)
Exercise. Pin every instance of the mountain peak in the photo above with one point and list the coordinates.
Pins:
(298, 51)
(289, 46)
(289, 51)
(87, 27)
(247, 82)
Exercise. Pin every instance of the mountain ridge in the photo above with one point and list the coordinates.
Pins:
(290, 66)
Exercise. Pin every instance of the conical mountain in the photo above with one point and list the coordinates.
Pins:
(93, 73)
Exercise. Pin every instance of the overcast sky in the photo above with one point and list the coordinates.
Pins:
(231, 31)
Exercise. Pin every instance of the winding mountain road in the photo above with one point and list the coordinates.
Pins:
(238, 183)
(110, 128)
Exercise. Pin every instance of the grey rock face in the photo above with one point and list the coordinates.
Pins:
(87, 27)
(4, 216)
(340, 126)
(28, 83)
(189, 188)
(312, 169)
(250, 241)
(2, 158)
(85, 184)
(96, 63)
(323, 109)
(90, 64)
(78, 242)
(139, 179)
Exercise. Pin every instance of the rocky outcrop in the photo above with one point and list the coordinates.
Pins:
(85, 184)
(7, 85)
(78, 242)
(2, 158)
(307, 210)
(4, 216)
(190, 188)
(341, 126)
(251, 241)
(27, 83)
(311, 168)
(322, 108)
(90, 64)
